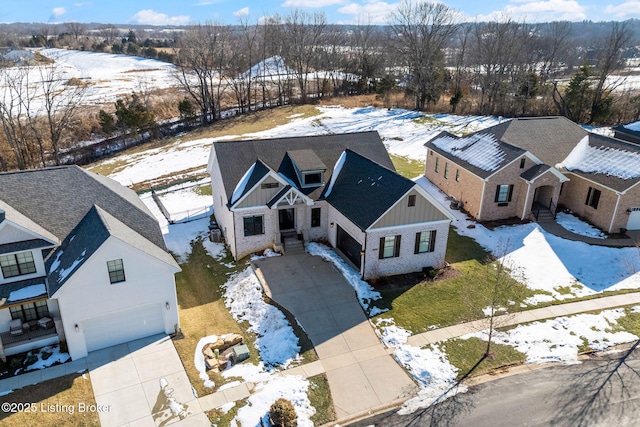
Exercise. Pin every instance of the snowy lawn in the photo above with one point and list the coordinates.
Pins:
(575, 225)
(562, 338)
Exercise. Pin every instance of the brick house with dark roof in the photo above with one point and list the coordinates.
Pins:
(516, 167)
(337, 188)
(82, 261)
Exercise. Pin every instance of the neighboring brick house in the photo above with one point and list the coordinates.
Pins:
(511, 169)
(342, 189)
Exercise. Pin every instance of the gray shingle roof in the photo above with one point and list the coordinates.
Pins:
(8, 288)
(306, 160)
(534, 172)
(550, 139)
(92, 231)
(236, 157)
(57, 199)
(24, 245)
(510, 152)
(364, 190)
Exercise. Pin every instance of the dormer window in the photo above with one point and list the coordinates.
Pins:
(312, 179)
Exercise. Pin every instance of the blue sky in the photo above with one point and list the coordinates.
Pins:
(180, 12)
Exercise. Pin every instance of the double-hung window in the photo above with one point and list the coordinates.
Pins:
(425, 241)
(253, 225)
(593, 198)
(389, 247)
(116, 271)
(17, 264)
(504, 193)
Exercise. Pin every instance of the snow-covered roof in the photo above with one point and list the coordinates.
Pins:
(635, 126)
(480, 150)
(610, 161)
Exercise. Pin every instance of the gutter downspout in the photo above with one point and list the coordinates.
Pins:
(615, 211)
(364, 257)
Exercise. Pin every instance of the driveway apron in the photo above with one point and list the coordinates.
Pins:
(126, 382)
(362, 376)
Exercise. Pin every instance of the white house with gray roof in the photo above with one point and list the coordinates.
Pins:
(340, 189)
(82, 261)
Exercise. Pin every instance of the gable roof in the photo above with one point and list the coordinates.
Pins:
(55, 200)
(607, 161)
(85, 239)
(363, 190)
(480, 153)
(306, 160)
(234, 158)
(551, 139)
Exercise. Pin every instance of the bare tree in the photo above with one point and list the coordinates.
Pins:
(61, 99)
(302, 36)
(608, 61)
(15, 82)
(202, 56)
(110, 33)
(420, 32)
(76, 29)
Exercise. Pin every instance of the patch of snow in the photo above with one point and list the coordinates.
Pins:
(277, 343)
(55, 356)
(575, 225)
(242, 184)
(635, 126)
(622, 164)
(497, 310)
(336, 171)
(480, 150)
(229, 385)
(198, 360)
(267, 253)
(428, 366)
(377, 310)
(4, 393)
(635, 309)
(537, 299)
(269, 387)
(31, 291)
(227, 407)
(365, 292)
(63, 273)
(559, 339)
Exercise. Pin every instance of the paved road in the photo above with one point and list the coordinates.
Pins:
(601, 392)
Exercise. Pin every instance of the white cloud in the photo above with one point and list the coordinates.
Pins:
(311, 3)
(206, 2)
(372, 11)
(539, 11)
(82, 4)
(241, 12)
(58, 12)
(151, 17)
(628, 9)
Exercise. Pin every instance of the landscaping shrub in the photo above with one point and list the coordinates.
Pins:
(283, 414)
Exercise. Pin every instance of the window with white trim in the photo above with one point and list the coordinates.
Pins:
(30, 311)
(504, 193)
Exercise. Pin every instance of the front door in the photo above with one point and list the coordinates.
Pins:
(287, 219)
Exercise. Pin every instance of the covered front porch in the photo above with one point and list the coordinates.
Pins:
(543, 189)
(30, 339)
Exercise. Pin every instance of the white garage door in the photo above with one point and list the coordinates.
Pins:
(634, 219)
(116, 328)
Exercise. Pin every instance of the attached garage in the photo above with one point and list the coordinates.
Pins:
(349, 246)
(634, 219)
(120, 327)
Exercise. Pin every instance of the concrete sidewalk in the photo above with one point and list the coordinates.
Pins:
(550, 312)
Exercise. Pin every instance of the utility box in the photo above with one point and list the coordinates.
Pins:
(215, 235)
(240, 353)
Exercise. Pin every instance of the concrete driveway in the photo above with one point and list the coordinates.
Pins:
(126, 384)
(361, 374)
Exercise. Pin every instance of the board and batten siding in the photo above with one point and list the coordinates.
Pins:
(402, 213)
(260, 196)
